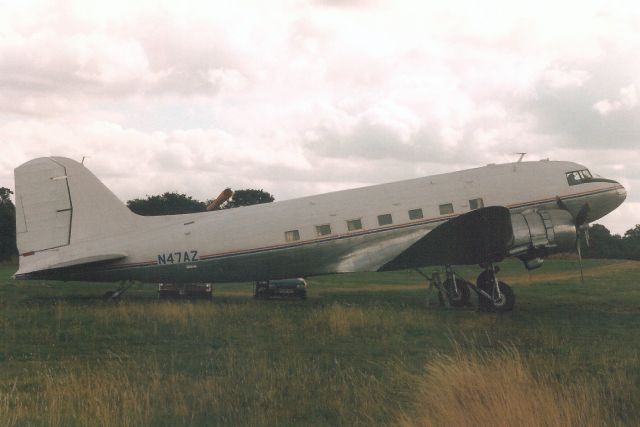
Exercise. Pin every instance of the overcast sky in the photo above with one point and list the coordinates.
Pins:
(300, 97)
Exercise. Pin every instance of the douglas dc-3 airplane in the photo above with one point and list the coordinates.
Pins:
(71, 227)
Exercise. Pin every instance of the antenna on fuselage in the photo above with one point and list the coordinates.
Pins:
(519, 160)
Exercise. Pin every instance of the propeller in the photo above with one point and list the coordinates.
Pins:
(582, 216)
(579, 250)
(582, 230)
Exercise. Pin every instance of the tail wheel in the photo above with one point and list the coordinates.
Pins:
(500, 303)
(458, 295)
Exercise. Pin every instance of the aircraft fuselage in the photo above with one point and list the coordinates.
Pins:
(353, 230)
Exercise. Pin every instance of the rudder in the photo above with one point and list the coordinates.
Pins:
(59, 202)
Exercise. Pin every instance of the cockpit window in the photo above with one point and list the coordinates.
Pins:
(579, 177)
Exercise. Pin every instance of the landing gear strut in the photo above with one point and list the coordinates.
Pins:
(493, 295)
(456, 288)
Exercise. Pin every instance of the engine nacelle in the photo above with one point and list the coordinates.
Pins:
(538, 233)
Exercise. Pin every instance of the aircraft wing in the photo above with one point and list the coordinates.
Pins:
(480, 236)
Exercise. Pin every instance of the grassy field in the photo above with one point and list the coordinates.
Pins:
(364, 349)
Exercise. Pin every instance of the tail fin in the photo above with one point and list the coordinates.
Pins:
(59, 202)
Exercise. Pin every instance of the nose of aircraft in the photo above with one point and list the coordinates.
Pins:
(614, 199)
(603, 203)
(621, 192)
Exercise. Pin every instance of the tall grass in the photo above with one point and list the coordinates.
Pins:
(499, 389)
(133, 393)
(360, 358)
(464, 389)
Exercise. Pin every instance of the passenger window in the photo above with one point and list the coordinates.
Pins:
(385, 219)
(354, 224)
(292, 235)
(446, 209)
(476, 204)
(323, 230)
(415, 214)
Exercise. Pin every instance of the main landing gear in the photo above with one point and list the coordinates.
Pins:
(455, 291)
(493, 295)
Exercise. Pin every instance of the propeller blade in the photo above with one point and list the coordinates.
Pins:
(582, 226)
(587, 240)
(582, 216)
(579, 250)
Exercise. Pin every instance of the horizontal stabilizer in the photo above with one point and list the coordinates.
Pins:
(89, 260)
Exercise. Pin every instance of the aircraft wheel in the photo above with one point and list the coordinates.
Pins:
(502, 304)
(459, 297)
(485, 278)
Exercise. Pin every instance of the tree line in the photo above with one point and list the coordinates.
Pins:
(603, 244)
(174, 203)
(7, 225)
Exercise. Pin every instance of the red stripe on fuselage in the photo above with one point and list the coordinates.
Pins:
(363, 232)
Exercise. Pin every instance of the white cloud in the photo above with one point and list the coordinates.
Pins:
(628, 100)
(557, 77)
(298, 97)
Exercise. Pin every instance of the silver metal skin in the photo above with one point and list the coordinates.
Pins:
(546, 228)
(71, 227)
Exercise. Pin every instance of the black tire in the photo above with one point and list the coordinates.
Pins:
(459, 298)
(483, 282)
(485, 278)
(503, 304)
(507, 301)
